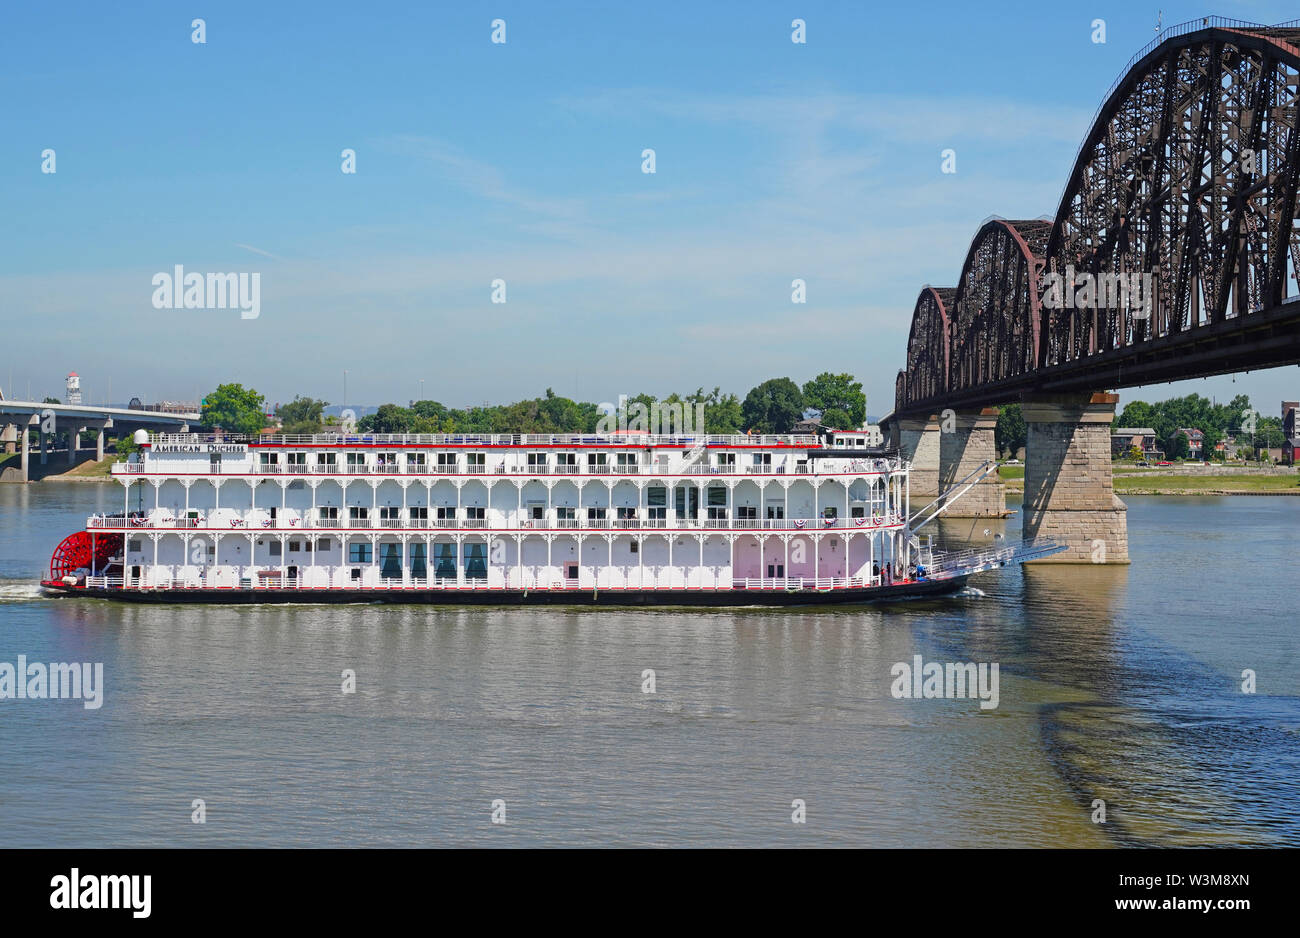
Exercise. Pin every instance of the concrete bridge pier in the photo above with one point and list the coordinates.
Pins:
(1069, 490)
(963, 448)
(27, 451)
(10, 438)
(918, 442)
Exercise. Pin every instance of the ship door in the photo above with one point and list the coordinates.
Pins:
(570, 571)
(775, 570)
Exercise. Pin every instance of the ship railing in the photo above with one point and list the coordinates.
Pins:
(956, 559)
(649, 470)
(684, 440)
(290, 524)
(803, 583)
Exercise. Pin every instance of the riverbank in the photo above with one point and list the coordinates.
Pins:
(88, 471)
(1190, 481)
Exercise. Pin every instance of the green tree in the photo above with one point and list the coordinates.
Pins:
(301, 415)
(1177, 445)
(389, 418)
(51, 400)
(234, 409)
(1136, 414)
(1212, 437)
(1011, 431)
(722, 412)
(125, 446)
(837, 400)
(773, 407)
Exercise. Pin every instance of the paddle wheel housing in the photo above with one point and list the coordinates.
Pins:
(76, 552)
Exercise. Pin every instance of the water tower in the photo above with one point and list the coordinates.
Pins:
(74, 389)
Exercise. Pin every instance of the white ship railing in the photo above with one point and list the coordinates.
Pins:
(292, 525)
(270, 579)
(856, 467)
(687, 440)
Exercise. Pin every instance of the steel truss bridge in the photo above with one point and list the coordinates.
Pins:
(1189, 174)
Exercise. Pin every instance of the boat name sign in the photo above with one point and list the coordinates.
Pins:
(233, 448)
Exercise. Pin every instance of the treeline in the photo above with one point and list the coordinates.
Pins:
(775, 406)
(1236, 419)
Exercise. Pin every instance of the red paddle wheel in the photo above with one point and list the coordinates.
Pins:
(74, 553)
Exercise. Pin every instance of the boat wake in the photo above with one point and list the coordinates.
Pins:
(971, 591)
(17, 591)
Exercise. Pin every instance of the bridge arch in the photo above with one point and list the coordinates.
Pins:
(927, 345)
(1188, 174)
(1186, 187)
(995, 323)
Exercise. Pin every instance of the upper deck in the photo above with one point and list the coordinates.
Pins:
(474, 454)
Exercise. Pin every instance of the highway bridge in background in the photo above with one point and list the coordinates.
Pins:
(18, 419)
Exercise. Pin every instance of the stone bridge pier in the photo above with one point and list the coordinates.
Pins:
(966, 442)
(918, 442)
(1069, 489)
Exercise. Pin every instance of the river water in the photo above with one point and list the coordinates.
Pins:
(1120, 685)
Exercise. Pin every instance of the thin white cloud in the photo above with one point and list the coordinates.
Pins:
(249, 247)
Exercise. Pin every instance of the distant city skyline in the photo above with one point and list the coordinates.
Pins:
(522, 163)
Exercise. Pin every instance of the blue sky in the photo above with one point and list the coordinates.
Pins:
(522, 161)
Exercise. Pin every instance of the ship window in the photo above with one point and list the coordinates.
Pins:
(475, 556)
(359, 553)
(446, 560)
(656, 496)
(635, 547)
(275, 548)
(134, 546)
(419, 561)
(325, 459)
(323, 544)
(295, 547)
(717, 496)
